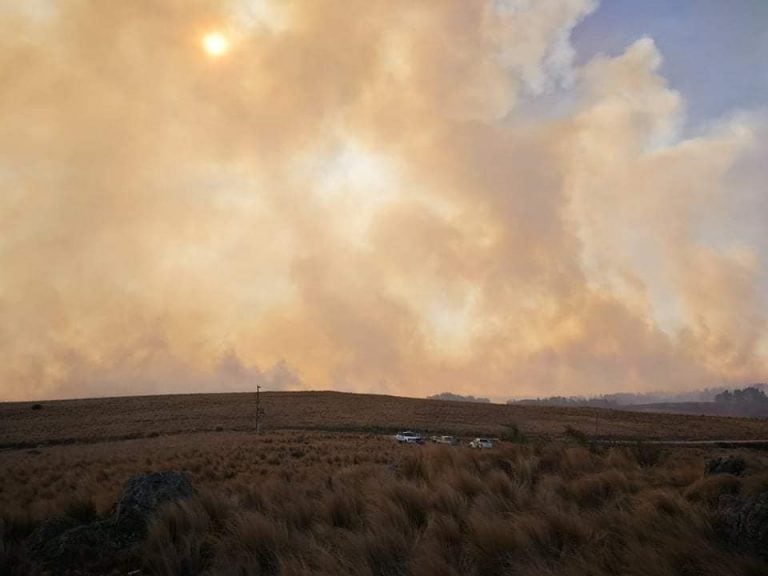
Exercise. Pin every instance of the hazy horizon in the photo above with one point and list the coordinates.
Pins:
(501, 198)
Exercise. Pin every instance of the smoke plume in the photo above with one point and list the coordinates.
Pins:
(391, 196)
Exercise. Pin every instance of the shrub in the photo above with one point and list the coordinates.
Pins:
(576, 435)
(512, 433)
(645, 454)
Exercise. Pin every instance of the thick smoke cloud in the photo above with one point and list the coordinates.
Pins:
(389, 196)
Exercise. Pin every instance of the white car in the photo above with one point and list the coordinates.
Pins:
(408, 437)
(481, 443)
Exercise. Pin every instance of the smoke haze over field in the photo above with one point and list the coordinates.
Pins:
(389, 196)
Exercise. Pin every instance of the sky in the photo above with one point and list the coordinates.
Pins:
(501, 198)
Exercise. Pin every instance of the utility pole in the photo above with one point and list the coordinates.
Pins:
(258, 408)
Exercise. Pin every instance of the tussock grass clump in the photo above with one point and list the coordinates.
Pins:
(709, 489)
(599, 489)
(345, 509)
(177, 541)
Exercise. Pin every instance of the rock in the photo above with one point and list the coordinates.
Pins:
(745, 522)
(728, 465)
(143, 495)
(49, 532)
(63, 543)
(83, 544)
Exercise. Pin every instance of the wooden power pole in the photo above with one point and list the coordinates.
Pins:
(258, 409)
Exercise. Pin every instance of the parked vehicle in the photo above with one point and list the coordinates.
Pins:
(481, 443)
(408, 437)
(450, 440)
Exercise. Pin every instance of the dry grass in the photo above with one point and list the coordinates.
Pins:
(69, 421)
(299, 503)
(312, 501)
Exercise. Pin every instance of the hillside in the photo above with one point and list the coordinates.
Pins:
(699, 408)
(89, 420)
(322, 492)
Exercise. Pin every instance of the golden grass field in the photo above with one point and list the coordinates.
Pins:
(147, 416)
(323, 491)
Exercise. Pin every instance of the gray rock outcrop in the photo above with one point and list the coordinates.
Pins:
(745, 521)
(143, 495)
(63, 543)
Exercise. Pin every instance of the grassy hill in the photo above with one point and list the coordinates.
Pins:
(93, 420)
(322, 491)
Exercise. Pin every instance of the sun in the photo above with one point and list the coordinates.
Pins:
(215, 44)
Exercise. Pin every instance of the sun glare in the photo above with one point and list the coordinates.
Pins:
(215, 44)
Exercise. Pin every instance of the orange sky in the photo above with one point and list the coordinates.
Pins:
(389, 196)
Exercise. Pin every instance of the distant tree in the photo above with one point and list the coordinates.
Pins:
(597, 402)
(748, 395)
(458, 398)
(752, 394)
(724, 397)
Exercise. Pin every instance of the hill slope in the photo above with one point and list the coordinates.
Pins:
(93, 420)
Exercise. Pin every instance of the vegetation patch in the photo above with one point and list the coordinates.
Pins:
(301, 503)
